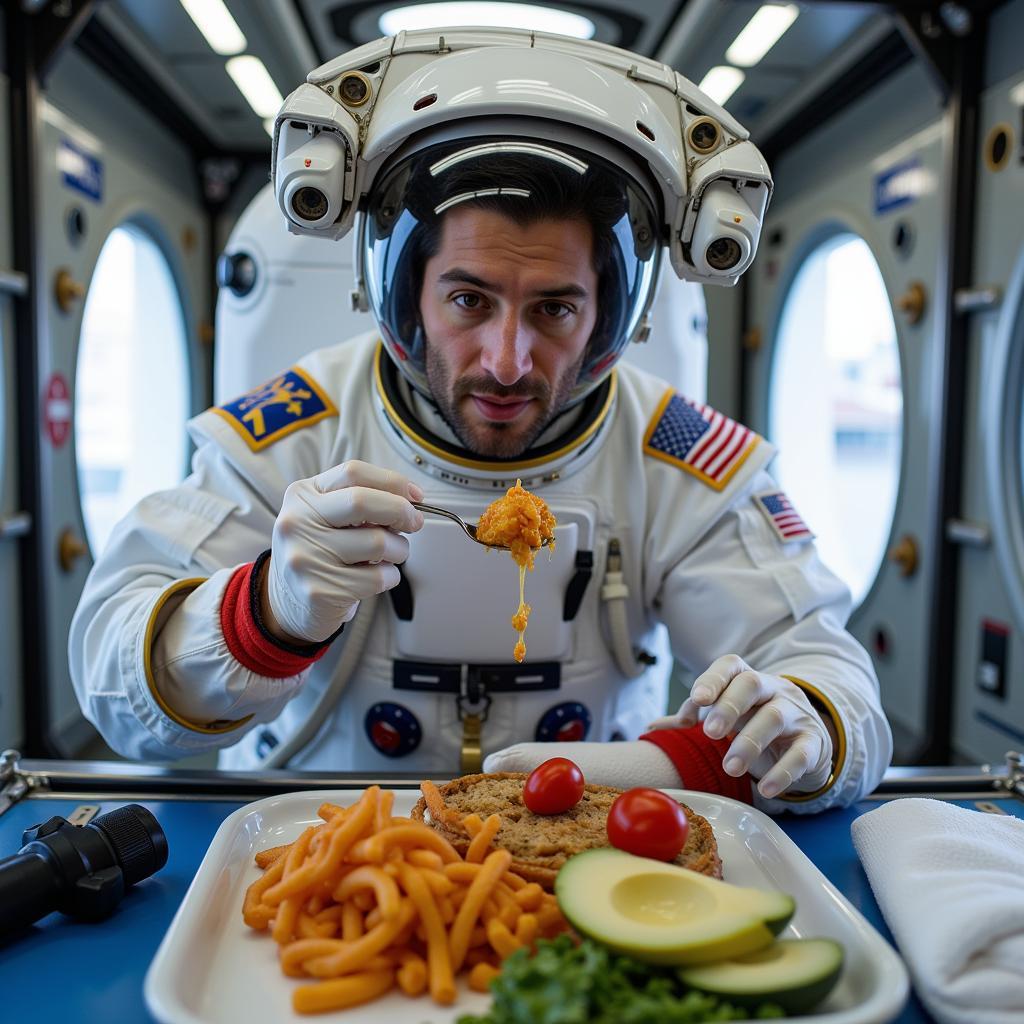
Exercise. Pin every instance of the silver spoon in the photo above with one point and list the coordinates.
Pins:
(468, 527)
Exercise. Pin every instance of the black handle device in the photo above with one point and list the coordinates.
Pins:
(80, 870)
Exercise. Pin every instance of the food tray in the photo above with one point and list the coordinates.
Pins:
(211, 967)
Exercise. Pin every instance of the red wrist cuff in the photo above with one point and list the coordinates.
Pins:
(698, 759)
(247, 644)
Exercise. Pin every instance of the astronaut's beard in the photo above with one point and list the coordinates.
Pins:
(500, 440)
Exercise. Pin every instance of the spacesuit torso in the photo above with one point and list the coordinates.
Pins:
(661, 517)
(439, 649)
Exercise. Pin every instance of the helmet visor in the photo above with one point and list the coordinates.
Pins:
(527, 181)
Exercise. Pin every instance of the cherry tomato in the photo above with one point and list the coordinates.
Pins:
(554, 786)
(648, 823)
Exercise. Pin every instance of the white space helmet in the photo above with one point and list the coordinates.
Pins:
(391, 136)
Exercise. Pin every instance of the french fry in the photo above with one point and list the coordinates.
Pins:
(502, 941)
(342, 992)
(482, 975)
(412, 975)
(283, 929)
(352, 926)
(530, 896)
(267, 857)
(482, 840)
(480, 888)
(353, 956)
(382, 816)
(410, 834)
(472, 823)
(368, 877)
(425, 859)
(255, 912)
(328, 811)
(439, 966)
(366, 901)
(526, 929)
(460, 871)
(309, 928)
(438, 809)
(439, 883)
(444, 906)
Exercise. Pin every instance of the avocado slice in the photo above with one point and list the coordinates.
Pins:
(794, 973)
(663, 913)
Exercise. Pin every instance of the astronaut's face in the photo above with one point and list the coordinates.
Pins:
(507, 311)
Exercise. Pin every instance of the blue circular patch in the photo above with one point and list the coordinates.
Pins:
(392, 729)
(564, 723)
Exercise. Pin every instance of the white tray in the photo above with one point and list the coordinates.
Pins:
(211, 967)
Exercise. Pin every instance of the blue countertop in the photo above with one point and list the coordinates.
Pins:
(62, 970)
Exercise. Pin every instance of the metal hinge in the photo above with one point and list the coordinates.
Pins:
(13, 281)
(971, 534)
(977, 300)
(18, 525)
(1014, 781)
(14, 784)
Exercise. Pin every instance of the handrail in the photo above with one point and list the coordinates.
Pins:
(13, 282)
(115, 778)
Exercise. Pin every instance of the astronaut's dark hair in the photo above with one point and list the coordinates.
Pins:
(555, 192)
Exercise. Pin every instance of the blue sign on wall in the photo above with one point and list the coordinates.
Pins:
(899, 185)
(79, 169)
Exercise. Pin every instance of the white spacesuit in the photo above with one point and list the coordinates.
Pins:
(665, 511)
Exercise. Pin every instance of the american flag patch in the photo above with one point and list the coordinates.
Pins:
(784, 519)
(698, 439)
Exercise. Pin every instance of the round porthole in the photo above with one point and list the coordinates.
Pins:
(836, 364)
(132, 393)
(1004, 440)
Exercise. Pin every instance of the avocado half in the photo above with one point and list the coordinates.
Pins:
(665, 914)
(796, 974)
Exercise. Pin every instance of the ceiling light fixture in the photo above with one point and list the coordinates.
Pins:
(721, 82)
(255, 84)
(496, 15)
(219, 29)
(762, 32)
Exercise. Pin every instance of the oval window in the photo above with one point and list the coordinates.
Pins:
(131, 383)
(836, 407)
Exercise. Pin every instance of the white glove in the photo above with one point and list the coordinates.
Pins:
(780, 738)
(623, 765)
(336, 540)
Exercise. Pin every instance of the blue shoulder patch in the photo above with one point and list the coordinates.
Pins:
(698, 439)
(289, 402)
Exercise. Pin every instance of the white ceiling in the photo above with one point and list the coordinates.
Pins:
(293, 36)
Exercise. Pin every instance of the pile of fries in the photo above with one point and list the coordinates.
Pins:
(365, 901)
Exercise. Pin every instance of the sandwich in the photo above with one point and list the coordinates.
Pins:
(541, 844)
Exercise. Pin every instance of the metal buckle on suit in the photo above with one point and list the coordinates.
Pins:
(473, 705)
(473, 686)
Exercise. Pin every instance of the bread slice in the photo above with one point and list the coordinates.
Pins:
(540, 844)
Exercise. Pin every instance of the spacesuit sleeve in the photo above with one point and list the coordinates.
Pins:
(150, 663)
(741, 590)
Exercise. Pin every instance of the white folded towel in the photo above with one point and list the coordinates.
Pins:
(950, 883)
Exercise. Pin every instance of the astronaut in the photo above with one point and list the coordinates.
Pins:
(511, 195)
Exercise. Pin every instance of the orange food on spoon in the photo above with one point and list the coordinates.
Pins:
(521, 522)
